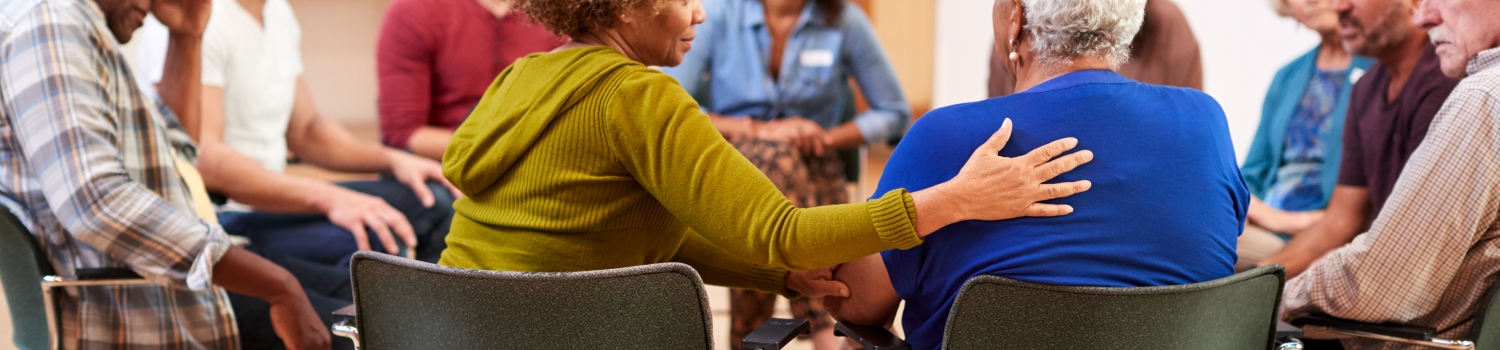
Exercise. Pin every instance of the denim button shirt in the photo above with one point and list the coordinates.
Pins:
(726, 71)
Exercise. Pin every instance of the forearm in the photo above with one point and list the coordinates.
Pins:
(845, 136)
(932, 211)
(429, 142)
(732, 127)
(243, 272)
(327, 145)
(243, 180)
(181, 87)
(872, 299)
(721, 268)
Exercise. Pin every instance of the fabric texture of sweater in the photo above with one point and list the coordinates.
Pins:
(583, 159)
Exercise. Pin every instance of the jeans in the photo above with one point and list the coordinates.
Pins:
(312, 238)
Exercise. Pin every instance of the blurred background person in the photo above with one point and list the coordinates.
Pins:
(787, 105)
(256, 108)
(435, 59)
(1293, 163)
(1163, 53)
(1390, 111)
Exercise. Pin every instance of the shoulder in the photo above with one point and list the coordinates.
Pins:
(23, 15)
(645, 88)
(1300, 64)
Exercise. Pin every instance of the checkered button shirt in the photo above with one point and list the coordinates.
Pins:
(87, 163)
(1433, 252)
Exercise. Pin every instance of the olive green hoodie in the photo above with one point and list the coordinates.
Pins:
(584, 159)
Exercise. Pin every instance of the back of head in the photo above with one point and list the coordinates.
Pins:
(1064, 30)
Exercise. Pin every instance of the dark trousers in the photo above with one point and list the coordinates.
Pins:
(327, 287)
(312, 238)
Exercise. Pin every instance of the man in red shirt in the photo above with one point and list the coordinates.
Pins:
(437, 57)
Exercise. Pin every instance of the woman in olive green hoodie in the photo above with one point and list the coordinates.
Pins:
(586, 159)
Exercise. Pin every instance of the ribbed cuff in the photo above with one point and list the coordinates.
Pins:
(894, 216)
(771, 280)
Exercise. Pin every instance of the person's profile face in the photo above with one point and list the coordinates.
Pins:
(1317, 15)
(1460, 29)
(663, 38)
(1372, 27)
(124, 16)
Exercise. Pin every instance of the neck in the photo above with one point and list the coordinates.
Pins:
(1331, 53)
(254, 7)
(1029, 77)
(1402, 59)
(784, 7)
(607, 38)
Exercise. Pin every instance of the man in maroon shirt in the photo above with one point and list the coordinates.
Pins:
(437, 57)
(1389, 112)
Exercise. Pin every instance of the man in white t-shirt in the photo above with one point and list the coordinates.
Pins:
(256, 108)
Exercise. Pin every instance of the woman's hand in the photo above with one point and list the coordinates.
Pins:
(991, 187)
(816, 283)
(808, 137)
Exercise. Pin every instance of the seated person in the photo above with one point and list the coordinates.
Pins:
(435, 59)
(1166, 205)
(256, 108)
(1293, 163)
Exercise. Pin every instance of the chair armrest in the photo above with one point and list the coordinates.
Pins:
(775, 334)
(347, 313)
(871, 338)
(105, 274)
(1389, 330)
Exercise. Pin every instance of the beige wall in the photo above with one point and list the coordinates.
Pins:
(906, 29)
(338, 49)
(338, 46)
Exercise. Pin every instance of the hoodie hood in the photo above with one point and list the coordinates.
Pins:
(519, 107)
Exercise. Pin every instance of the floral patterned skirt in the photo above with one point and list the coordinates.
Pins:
(808, 181)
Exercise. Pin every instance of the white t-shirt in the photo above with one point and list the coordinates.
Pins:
(257, 68)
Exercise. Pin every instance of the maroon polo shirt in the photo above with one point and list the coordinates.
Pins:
(1380, 135)
(436, 58)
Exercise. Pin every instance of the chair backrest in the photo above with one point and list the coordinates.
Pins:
(408, 304)
(1235, 312)
(1486, 335)
(22, 265)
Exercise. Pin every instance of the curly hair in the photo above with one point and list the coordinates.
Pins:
(575, 17)
(1064, 30)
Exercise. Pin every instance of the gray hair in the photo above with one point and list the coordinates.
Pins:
(1066, 29)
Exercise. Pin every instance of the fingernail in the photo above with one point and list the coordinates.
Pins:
(1071, 142)
(1067, 209)
(1086, 186)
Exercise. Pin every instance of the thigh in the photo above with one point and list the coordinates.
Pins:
(302, 236)
(1256, 244)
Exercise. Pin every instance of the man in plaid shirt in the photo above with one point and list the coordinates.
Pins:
(104, 178)
(1433, 252)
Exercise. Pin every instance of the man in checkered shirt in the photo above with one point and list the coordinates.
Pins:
(104, 178)
(1433, 252)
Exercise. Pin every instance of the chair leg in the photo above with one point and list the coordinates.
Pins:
(346, 330)
(51, 310)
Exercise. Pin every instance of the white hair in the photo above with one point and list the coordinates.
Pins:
(1062, 30)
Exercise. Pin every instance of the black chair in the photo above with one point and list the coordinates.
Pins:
(30, 285)
(408, 304)
(1235, 312)
(1482, 335)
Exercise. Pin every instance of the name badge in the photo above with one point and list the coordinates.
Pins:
(817, 58)
(1355, 74)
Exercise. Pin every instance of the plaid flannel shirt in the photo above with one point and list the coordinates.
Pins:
(87, 163)
(1433, 252)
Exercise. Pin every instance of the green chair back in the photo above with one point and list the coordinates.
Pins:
(22, 266)
(1485, 332)
(1235, 312)
(408, 304)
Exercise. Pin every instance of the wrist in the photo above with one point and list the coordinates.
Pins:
(185, 37)
(935, 209)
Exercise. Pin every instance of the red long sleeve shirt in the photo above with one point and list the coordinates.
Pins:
(436, 58)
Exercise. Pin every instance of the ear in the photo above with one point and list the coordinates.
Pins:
(1017, 20)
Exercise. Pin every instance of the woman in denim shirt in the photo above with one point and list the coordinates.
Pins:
(774, 77)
